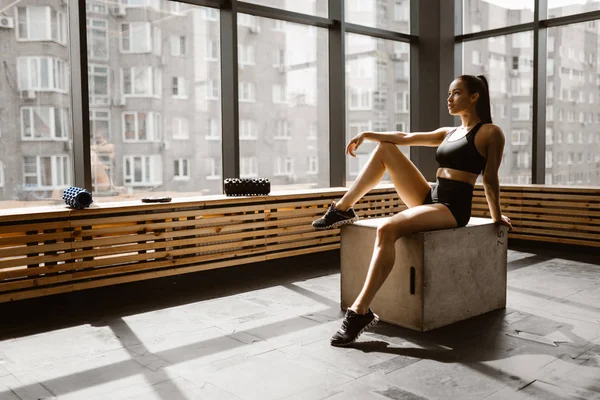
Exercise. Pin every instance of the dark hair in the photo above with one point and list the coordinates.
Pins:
(478, 84)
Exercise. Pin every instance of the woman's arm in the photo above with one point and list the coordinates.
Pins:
(491, 184)
(433, 138)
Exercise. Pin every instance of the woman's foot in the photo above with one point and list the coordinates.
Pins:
(352, 326)
(335, 218)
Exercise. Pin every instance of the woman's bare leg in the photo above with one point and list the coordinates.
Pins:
(417, 219)
(410, 184)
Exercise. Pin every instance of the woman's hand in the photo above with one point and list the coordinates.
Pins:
(504, 220)
(354, 143)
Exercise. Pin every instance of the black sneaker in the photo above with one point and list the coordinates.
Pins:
(352, 326)
(334, 218)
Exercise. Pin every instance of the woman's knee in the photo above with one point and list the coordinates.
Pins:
(385, 147)
(389, 233)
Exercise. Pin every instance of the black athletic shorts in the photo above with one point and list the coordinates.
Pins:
(456, 195)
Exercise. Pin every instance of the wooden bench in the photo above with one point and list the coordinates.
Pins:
(439, 277)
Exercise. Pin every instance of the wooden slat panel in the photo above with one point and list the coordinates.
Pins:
(54, 250)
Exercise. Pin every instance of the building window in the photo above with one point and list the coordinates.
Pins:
(44, 123)
(312, 131)
(360, 99)
(181, 168)
(248, 130)
(98, 85)
(401, 11)
(177, 8)
(141, 81)
(402, 102)
(178, 44)
(549, 135)
(248, 167)
(100, 124)
(42, 73)
(313, 165)
(212, 51)
(41, 23)
(181, 128)
(279, 94)
(282, 130)
(522, 159)
(247, 20)
(141, 126)
(178, 88)
(548, 160)
(1, 174)
(212, 129)
(213, 89)
(213, 168)
(211, 14)
(47, 172)
(247, 92)
(142, 170)
(140, 37)
(279, 58)
(357, 163)
(97, 37)
(245, 54)
(284, 166)
(98, 7)
(520, 137)
(521, 111)
(357, 127)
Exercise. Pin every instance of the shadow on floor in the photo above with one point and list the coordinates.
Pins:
(32, 316)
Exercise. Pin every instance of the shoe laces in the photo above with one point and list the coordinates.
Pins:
(330, 210)
(346, 321)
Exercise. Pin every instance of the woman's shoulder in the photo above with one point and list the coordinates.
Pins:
(492, 133)
(492, 129)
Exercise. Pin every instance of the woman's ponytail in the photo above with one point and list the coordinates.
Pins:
(483, 105)
(479, 84)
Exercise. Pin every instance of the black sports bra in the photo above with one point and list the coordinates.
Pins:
(461, 154)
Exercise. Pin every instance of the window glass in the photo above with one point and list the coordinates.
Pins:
(283, 102)
(572, 136)
(155, 110)
(377, 93)
(393, 15)
(481, 15)
(508, 69)
(312, 7)
(561, 8)
(35, 104)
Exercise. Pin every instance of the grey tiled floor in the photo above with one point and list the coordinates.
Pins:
(261, 332)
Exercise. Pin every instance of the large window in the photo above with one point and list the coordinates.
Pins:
(572, 84)
(509, 72)
(575, 54)
(283, 101)
(377, 90)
